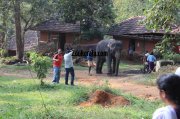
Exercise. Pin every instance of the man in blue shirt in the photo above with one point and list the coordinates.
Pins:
(151, 59)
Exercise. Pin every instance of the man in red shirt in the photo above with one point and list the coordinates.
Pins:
(57, 62)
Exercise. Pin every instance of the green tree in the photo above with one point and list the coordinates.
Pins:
(130, 8)
(19, 40)
(164, 15)
(5, 23)
(27, 13)
(92, 14)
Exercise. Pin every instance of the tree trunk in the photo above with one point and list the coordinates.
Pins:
(19, 40)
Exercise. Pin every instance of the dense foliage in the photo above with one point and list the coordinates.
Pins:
(94, 15)
(125, 9)
(23, 14)
(165, 14)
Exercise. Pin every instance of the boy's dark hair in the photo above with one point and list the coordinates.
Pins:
(170, 84)
(152, 53)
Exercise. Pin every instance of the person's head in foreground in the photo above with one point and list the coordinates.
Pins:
(178, 71)
(169, 90)
(169, 87)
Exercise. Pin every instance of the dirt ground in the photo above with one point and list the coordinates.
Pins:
(123, 82)
(105, 99)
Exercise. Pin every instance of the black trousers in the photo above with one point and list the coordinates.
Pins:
(71, 71)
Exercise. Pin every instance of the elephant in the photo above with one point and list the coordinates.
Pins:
(113, 49)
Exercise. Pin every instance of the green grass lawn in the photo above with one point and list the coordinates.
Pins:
(20, 99)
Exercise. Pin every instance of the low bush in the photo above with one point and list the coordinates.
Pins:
(40, 65)
(8, 60)
(3, 53)
(172, 56)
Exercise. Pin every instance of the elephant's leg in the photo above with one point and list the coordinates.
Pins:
(117, 67)
(114, 65)
(97, 64)
(101, 65)
(109, 61)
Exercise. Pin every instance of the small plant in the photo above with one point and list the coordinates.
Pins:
(40, 65)
(8, 60)
(3, 52)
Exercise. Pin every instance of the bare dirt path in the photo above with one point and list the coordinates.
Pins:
(123, 82)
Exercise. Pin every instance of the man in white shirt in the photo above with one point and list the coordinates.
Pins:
(69, 66)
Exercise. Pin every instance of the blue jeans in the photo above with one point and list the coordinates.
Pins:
(71, 71)
(56, 76)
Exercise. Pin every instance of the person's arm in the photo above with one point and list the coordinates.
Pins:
(70, 53)
(55, 59)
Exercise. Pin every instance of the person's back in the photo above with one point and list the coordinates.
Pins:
(69, 67)
(68, 59)
(151, 58)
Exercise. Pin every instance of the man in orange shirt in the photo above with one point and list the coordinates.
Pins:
(57, 62)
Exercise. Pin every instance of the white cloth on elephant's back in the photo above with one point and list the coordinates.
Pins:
(178, 71)
(167, 112)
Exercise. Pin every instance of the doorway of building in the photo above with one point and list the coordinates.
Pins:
(62, 41)
(132, 45)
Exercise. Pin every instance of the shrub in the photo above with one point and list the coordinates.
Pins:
(176, 58)
(3, 53)
(8, 60)
(172, 56)
(40, 65)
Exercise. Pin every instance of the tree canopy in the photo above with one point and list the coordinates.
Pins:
(164, 14)
(125, 9)
(24, 14)
(93, 14)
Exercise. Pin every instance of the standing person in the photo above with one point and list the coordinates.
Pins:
(169, 87)
(145, 62)
(57, 62)
(90, 60)
(69, 66)
(151, 59)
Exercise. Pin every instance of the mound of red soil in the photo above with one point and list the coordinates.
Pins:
(105, 99)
